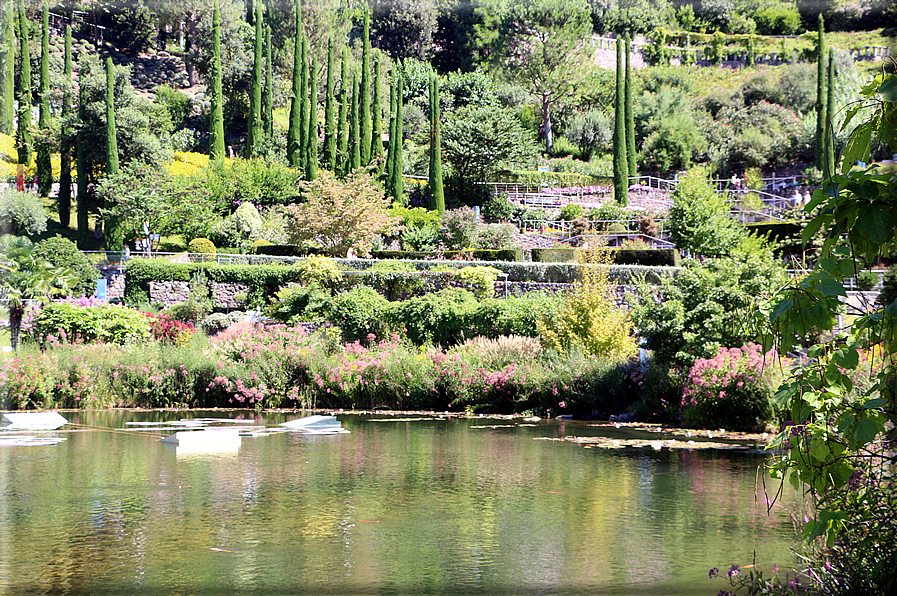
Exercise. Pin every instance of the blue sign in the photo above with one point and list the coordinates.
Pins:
(101, 289)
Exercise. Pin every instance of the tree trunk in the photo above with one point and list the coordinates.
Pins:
(15, 324)
(546, 122)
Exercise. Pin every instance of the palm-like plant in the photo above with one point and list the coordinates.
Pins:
(26, 277)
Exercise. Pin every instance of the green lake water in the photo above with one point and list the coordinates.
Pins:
(397, 506)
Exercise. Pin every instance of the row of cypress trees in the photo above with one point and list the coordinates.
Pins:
(352, 139)
(624, 157)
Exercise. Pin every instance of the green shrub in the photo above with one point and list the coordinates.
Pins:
(111, 324)
(299, 304)
(497, 209)
(241, 227)
(420, 238)
(480, 279)
(516, 315)
(21, 213)
(394, 279)
(360, 313)
(562, 147)
(62, 252)
(440, 318)
(571, 211)
(250, 181)
(496, 237)
(320, 271)
(202, 246)
(178, 105)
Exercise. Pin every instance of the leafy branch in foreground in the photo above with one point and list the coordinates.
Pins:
(839, 444)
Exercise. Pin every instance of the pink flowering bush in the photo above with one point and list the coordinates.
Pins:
(732, 390)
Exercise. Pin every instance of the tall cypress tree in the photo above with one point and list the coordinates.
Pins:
(830, 113)
(329, 118)
(254, 130)
(23, 132)
(44, 169)
(398, 162)
(113, 232)
(354, 129)
(311, 167)
(621, 163)
(376, 115)
(216, 133)
(437, 192)
(293, 148)
(391, 149)
(7, 69)
(342, 132)
(65, 152)
(268, 114)
(364, 104)
(83, 232)
(820, 97)
(630, 116)
(303, 108)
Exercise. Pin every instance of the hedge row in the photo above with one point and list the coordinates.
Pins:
(666, 257)
(265, 280)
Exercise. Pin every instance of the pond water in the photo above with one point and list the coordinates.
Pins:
(396, 506)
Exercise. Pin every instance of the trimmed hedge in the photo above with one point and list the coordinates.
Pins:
(265, 279)
(478, 254)
(664, 257)
(290, 250)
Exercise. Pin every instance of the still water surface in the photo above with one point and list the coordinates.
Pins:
(394, 507)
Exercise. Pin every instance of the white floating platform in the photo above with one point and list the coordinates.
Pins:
(318, 425)
(206, 440)
(33, 421)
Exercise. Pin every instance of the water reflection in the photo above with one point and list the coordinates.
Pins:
(429, 506)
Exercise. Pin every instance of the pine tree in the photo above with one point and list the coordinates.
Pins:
(23, 132)
(820, 97)
(364, 105)
(83, 232)
(254, 130)
(437, 192)
(293, 148)
(113, 235)
(216, 134)
(44, 169)
(621, 162)
(268, 114)
(630, 116)
(830, 112)
(311, 167)
(329, 119)
(65, 152)
(342, 132)
(303, 108)
(7, 69)
(354, 128)
(376, 116)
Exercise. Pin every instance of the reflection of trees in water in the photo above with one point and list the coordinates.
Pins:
(432, 504)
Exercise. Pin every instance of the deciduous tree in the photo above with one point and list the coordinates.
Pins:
(539, 44)
(340, 214)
